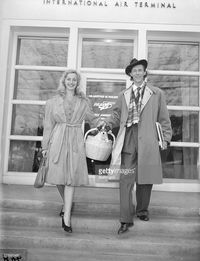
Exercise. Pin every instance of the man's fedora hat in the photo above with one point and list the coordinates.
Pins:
(135, 62)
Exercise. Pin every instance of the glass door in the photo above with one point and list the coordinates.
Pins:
(103, 94)
(37, 70)
(103, 59)
(174, 67)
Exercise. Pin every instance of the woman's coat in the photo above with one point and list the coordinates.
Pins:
(64, 141)
(153, 109)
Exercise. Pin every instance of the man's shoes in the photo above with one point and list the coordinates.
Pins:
(124, 227)
(130, 224)
(143, 217)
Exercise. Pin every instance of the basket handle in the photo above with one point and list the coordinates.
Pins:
(88, 133)
(109, 132)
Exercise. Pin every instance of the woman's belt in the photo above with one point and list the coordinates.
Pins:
(60, 141)
(71, 124)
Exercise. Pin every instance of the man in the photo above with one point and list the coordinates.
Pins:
(136, 151)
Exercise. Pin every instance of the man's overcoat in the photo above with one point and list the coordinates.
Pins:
(153, 109)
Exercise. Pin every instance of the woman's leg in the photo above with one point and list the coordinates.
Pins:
(68, 199)
(61, 189)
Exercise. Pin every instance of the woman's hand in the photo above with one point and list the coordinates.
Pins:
(165, 145)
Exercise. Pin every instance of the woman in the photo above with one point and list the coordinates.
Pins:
(63, 140)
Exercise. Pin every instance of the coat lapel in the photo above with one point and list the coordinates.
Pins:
(60, 107)
(147, 94)
(76, 109)
(127, 95)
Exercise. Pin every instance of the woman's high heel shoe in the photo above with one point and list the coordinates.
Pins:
(66, 228)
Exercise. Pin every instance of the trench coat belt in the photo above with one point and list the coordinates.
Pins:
(73, 125)
(60, 141)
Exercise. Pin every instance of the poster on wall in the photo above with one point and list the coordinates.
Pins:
(103, 95)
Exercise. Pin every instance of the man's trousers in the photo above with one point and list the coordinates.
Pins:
(128, 177)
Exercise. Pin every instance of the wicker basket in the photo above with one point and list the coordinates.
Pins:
(98, 147)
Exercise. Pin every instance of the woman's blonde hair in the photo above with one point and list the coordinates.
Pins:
(62, 87)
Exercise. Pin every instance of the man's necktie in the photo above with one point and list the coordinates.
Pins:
(137, 96)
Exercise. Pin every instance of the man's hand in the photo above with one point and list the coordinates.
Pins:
(101, 124)
(44, 153)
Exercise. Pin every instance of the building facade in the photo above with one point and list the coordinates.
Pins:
(42, 38)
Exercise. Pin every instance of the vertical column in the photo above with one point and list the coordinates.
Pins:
(142, 43)
(73, 48)
(4, 82)
(198, 159)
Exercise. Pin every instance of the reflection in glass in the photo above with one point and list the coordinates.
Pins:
(36, 85)
(179, 90)
(103, 94)
(173, 56)
(44, 52)
(23, 156)
(27, 120)
(185, 126)
(106, 53)
(180, 163)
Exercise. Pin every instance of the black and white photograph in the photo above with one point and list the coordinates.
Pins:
(100, 130)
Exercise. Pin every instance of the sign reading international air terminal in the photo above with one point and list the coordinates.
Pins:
(112, 11)
(112, 3)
